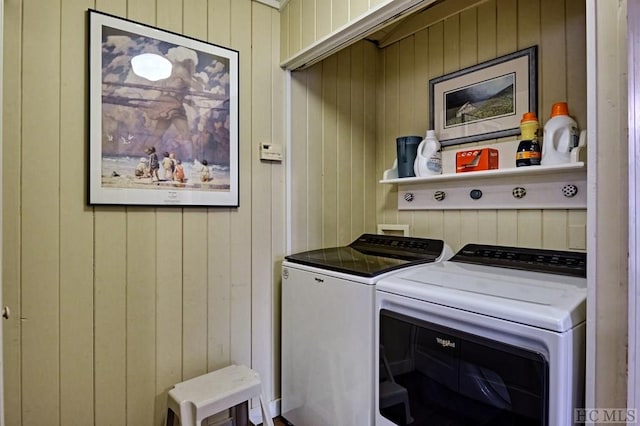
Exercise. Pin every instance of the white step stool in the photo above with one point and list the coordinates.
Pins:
(228, 388)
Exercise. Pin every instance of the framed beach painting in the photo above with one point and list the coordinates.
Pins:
(484, 101)
(163, 117)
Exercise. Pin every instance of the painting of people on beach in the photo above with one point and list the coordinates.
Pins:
(163, 117)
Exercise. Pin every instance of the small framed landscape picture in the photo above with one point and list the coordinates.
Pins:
(163, 117)
(484, 101)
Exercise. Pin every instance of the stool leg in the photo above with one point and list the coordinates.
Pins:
(171, 418)
(266, 415)
(240, 414)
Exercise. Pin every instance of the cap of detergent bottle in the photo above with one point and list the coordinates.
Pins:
(559, 108)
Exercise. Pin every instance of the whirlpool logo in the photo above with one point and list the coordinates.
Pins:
(445, 343)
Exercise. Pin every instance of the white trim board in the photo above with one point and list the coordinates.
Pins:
(353, 31)
(272, 3)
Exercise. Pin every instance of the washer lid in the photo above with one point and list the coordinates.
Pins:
(371, 255)
(543, 300)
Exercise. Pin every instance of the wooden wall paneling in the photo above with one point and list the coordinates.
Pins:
(555, 229)
(300, 161)
(339, 13)
(530, 228)
(308, 22)
(110, 316)
(357, 190)
(371, 175)
(577, 218)
(323, 19)
(435, 55)
(41, 216)
(469, 37)
(169, 306)
(421, 81)
(195, 319)
(421, 21)
(507, 228)
(391, 128)
(169, 268)
(110, 300)
(452, 231)
(141, 315)
(451, 32)
(529, 19)
(364, 92)
(552, 56)
(506, 20)
(486, 30)
(469, 227)
(11, 207)
(295, 25)
(487, 226)
(195, 270)
(169, 16)
(357, 8)
(330, 152)
(343, 147)
(607, 206)
(314, 159)
(278, 209)
(408, 123)
(284, 33)
(241, 271)
(141, 289)
(575, 29)
(76, 227)
(261, 181)
(419, 226)
(383, 160)
(219, 289)
(195, 18)
(219, 229)
(142, 11)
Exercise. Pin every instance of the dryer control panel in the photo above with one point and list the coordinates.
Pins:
(528, 259)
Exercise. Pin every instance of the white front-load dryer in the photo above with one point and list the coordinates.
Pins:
(493, 336)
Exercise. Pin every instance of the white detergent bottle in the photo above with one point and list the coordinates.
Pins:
(560, 136)
(428, 157)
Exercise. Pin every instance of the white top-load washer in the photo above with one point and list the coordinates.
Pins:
(494, 336)
(328, 304)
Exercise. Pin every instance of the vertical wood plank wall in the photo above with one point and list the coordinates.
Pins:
(333, 175)
(112, 305)
(403, 69)
(307, 21)
(490, 29)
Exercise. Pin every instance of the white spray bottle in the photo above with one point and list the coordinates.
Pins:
(428, 158)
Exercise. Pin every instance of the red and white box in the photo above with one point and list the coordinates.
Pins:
(474, 160)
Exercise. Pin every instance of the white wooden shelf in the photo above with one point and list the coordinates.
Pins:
(545, 187)
(486, 174)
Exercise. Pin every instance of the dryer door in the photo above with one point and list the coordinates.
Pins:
(455, 378)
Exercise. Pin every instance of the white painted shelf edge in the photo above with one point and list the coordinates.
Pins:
(390, 175)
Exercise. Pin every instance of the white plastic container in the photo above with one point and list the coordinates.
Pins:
(560, 136)
(428, 158)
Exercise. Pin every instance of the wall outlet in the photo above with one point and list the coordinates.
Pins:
(270, 152)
